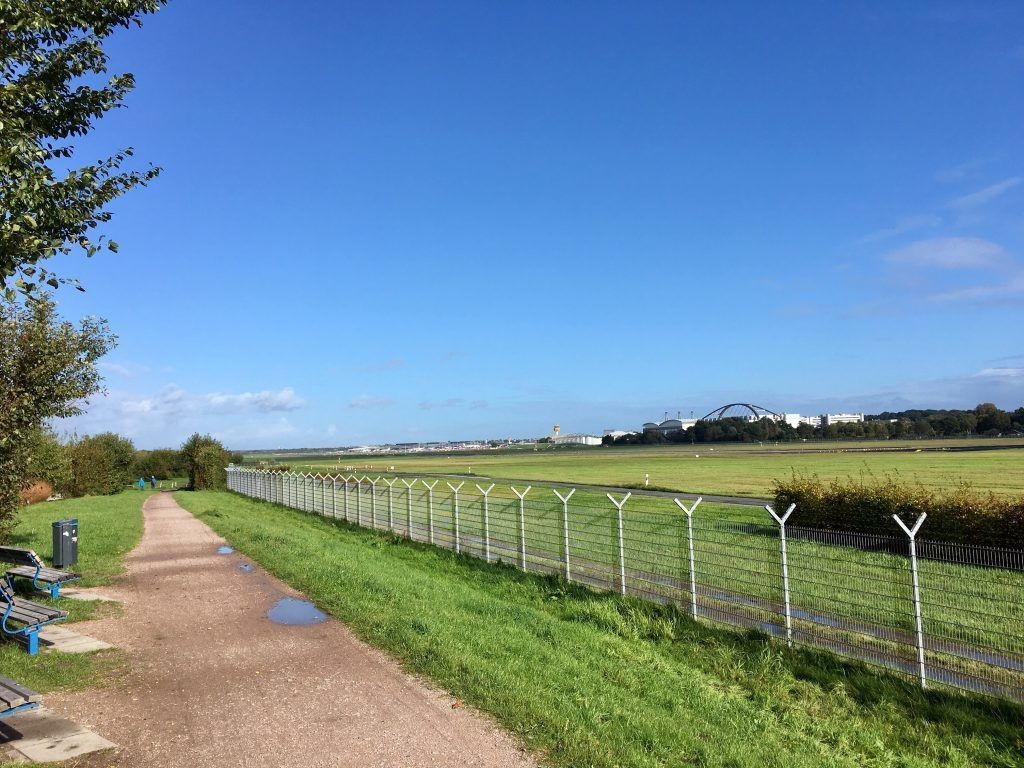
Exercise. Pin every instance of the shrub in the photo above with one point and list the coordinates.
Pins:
(867, 504)
(101, 465)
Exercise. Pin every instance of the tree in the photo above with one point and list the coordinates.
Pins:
(205, 460)
(101, 465)
(47, 369)
(48, 458)
(53, 87)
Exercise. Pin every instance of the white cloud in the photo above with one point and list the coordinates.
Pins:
(370, 401)
(124, 370)
(1001, 373)
(984, 196)
(904, 226)
(432, 405)
(951, 253)
(281, 400)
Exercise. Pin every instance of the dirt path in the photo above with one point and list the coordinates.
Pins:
(213, 682)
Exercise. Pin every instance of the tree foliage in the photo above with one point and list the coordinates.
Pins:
(205, 460)
(53, 87)
(48, 459)
(101, 464)
(47, 369)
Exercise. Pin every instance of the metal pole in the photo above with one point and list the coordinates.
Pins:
(522, 524)
(408, 507)
(622, 545)
(689, 540)
(455, 510)
(391, 512)
(565, 526)
(785, 567)
(487, 524)
(430, 509)
(359, 501)
(334, 497)
(912, 534)
(373, 502)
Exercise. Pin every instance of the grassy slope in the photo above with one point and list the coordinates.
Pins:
(109, 528)
(725, 469)
(596, 680)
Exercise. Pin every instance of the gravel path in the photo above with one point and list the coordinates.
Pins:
(213, 682)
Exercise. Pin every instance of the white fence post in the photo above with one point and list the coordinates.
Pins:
(522, 524)
(622, 544)
(912, 535)
(455, 510)
(785, 567)
(689, 541)
(487, 524)
(373, 501)
(565, 526)
(359, 500)
(391, 510)
(408, 506)
(334, 497)
(430, 510)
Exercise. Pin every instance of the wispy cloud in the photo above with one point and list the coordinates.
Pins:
(984, 196)
(370, 401)
(950, 253)
(903, 226)
(1001, 373)
(123, 370)
(1009, 291)
(962, 171)
(432, 405)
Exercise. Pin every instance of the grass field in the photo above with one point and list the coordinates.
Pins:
(599, 680)
(109, 528)
(719, 469)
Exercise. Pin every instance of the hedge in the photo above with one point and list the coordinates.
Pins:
(867, 504)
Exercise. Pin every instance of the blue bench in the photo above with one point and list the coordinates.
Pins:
(22, 619)
(29, 566)
(15, 697)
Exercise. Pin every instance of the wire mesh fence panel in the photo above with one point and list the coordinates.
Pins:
(851, 593)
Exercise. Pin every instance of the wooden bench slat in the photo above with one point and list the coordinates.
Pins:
(27, 693)
(19, 556)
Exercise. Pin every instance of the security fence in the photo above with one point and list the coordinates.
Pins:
(939, 613)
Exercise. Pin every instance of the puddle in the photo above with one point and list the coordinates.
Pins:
(288, 610)
(224, 550)
(247, 567)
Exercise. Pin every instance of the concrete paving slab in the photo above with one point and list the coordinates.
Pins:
(81, 593)
(42, 736)
(56, 638)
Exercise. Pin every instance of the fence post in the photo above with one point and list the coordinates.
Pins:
(408, 506)
(334, 497)
(912, 535)
(391, 515)
(785, 567)
(487, 524)
(565, 526)
(373, 501)
(522, 524)
(689, 540)
(430, 510)
(455, 510)
(622, 545)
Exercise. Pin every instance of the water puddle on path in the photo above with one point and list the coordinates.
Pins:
(224, 550)
(288, 610)
(247, 567)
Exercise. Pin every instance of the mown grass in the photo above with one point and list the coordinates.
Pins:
(588, 679)
(109, 528)
(721, 469)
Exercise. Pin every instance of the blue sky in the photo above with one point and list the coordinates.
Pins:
(416, 221)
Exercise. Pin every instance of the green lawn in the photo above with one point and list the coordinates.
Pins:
(589, 679)
(109, 528)
(722, 469)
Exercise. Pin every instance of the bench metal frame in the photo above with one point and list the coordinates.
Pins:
(30, 630)
(51, 581)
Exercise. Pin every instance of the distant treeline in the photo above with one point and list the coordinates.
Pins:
(107, 463)
(986, 420)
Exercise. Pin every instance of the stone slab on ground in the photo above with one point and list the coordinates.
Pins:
(55, 638)
(86, 593)
(42, 736)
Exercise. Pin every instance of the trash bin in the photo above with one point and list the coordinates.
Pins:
(65, 542)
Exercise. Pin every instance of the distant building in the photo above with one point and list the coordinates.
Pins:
(669, 425)
(575, 439)
(615, 433)
(840, 418)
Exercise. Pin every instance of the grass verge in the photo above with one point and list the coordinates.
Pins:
(109, 528)
(597, 680)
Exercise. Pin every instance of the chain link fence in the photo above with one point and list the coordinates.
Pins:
(941, 614)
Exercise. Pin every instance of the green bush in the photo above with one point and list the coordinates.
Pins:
(867, 504)
(101, 464)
